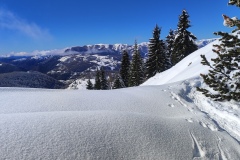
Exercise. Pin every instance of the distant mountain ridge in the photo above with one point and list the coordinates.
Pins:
(96, 49)
(74, 62)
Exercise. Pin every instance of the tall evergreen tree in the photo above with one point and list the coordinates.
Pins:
(184, 42)
(170, 43)
(118, 83)
(224, 74)
(89, 85)
(103, 80)
(156, 54)
(167, 60)
(136, 70)
(125, 65)
(97, 85)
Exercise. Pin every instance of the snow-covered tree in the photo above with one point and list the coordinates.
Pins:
(103, 80)
(97, 85)
(136, 75)
(184, 42)
(224, 74)
(125, 65)
(170, 43)
(89, 85)
(118, 83)
(156, 54)
(234, 2)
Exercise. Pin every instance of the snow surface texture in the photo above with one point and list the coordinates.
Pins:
(151, 122)
(226, 115)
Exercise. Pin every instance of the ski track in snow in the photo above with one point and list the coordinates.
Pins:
(197, 150)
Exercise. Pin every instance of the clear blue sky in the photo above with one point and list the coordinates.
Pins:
(28, 25)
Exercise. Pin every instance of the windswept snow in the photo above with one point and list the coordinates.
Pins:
(132, 123)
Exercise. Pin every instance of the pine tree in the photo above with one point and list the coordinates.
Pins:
(136, 76)
(118, 83)
(170, 43)
(125, 65)
(184, 42)
(103, 80)
(156, 54)
(97, 85)
(234, 2)
(167, 60)
(89, 85)
(224, 74)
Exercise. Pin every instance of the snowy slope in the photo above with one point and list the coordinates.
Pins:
(189, 67)
(187, 72)
(151, 122)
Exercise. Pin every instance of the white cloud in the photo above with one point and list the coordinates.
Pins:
(8, 20)
(38, 53)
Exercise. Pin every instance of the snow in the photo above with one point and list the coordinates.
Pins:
(189, 67)
(80, 84)
(105, 61)
(187, 72)
(165, 118)
(64, 59)
(132, 123)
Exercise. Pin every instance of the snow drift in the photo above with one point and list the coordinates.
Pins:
(134, 123)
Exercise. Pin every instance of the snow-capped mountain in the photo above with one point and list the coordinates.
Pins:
(107, 49)
(71, 62)
(95, 49)
(203, 42)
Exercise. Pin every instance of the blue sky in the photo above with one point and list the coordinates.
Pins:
(28, 25)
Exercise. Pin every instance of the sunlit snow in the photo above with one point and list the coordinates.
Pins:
(159, 120)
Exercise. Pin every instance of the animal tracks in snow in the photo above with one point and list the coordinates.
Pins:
(204, 124)
(189, 120)
(171, 105)
(177, 98)
(212, 127)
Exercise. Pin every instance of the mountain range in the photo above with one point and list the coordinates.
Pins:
(73, 62)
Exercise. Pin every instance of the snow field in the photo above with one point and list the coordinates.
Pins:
(132, 123)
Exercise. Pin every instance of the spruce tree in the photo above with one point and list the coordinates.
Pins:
(234, 2)
(184, 42)
(136, 76)
(224, 74)
(170, 43)
(103, 80)
(97, 85)
(156, 54)
(167, 60)
(89, 85)
(118, 83)
(125, 65)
